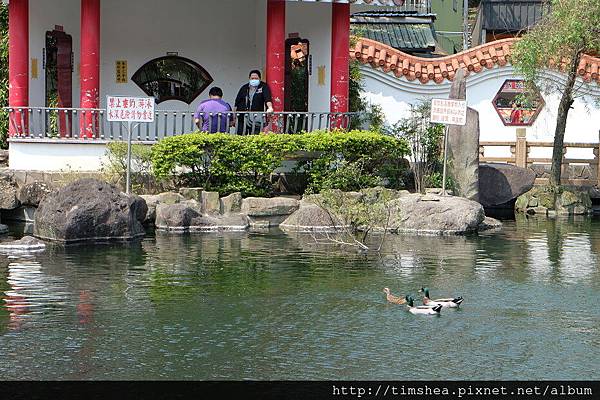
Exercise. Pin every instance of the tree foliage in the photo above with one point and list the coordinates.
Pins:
(559, 40)
(3, 73)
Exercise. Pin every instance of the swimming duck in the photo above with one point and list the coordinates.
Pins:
(426, 310)
(448, 303)
(393, 299)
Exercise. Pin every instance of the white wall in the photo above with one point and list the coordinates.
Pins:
(395, 95)
(226, 37)
(313, 22)
(47, 155)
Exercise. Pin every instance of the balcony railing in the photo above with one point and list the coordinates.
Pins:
(92, 124)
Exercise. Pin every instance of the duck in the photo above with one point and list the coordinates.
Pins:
(393, 299)
(423, 310)
(448, 303)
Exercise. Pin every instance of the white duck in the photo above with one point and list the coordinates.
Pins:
(424, 310)
(448, 303)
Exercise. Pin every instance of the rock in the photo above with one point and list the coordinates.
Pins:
(260, 225)
(502, 183)
(210, 202)
(463, 146)
(543, 200)
(89, 209)
(264, 207)
(3, 229)
(448, 215)
(188, 217)
(33, 193)
(438, 191)
(573, 202)
(27, 243)
(489, 224)
(153, 200)
(8, 194)
(310, 218)
(191, 193)
(231, 204)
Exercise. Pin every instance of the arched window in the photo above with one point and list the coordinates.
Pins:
(172, 78)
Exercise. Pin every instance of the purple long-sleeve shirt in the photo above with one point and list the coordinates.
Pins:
(208, 112)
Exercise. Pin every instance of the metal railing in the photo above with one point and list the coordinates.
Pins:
(92, 124)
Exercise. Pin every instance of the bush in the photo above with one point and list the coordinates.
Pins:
(425, 140)
(115, 170)
(353, 160)
(228, 163)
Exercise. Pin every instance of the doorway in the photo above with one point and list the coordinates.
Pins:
(297, 71)
(59, 82)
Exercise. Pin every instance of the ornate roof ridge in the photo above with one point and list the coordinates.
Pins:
(475, 60)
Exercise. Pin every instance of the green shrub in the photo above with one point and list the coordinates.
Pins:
(229, 163)
(222, 162)
(115, 169)
(378, 158)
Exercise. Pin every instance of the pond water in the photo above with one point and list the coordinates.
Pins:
(269, 306)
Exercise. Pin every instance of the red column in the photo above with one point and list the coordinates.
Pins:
(18, 64)
(340, 59)
(276, 51)
(89, 81)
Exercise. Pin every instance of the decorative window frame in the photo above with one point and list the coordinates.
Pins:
(202, 76)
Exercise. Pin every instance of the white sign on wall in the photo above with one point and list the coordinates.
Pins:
(448, 112)
(130, 109)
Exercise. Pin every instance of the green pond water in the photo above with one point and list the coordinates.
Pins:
(269, 306)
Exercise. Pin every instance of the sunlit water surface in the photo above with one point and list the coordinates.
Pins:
(268, 306)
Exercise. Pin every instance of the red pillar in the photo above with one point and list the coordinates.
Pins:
(276, 51)
(340, 59)
(18, 64)
(89, 81)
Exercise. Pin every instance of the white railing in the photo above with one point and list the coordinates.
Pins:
(92, 124)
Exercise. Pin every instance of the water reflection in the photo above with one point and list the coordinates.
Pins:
(268, 305)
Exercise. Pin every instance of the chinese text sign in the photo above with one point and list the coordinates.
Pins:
(449, 112)
(130, 109)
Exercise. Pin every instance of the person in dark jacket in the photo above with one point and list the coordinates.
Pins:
(253, 96)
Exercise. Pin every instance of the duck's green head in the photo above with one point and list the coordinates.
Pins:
(425, 291)
(409, 300)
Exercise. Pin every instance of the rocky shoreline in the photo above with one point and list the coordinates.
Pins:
(92, 210)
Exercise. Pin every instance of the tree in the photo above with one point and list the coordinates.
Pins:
(3, 73)
(560, 40)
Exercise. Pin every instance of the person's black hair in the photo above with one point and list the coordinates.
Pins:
(215, 91)
(255, 71)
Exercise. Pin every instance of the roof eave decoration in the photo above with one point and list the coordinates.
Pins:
(474, 60)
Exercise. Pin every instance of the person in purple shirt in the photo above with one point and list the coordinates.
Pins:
(207, 116)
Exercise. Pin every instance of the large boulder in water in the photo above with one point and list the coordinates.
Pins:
(502, 183)
(89, 209)
(433, 214)
(311, 217)
(187, 216)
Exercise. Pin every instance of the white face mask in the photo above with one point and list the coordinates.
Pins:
(254, 82)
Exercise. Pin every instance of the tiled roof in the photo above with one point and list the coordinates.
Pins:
(404, 32)
(474, 60)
